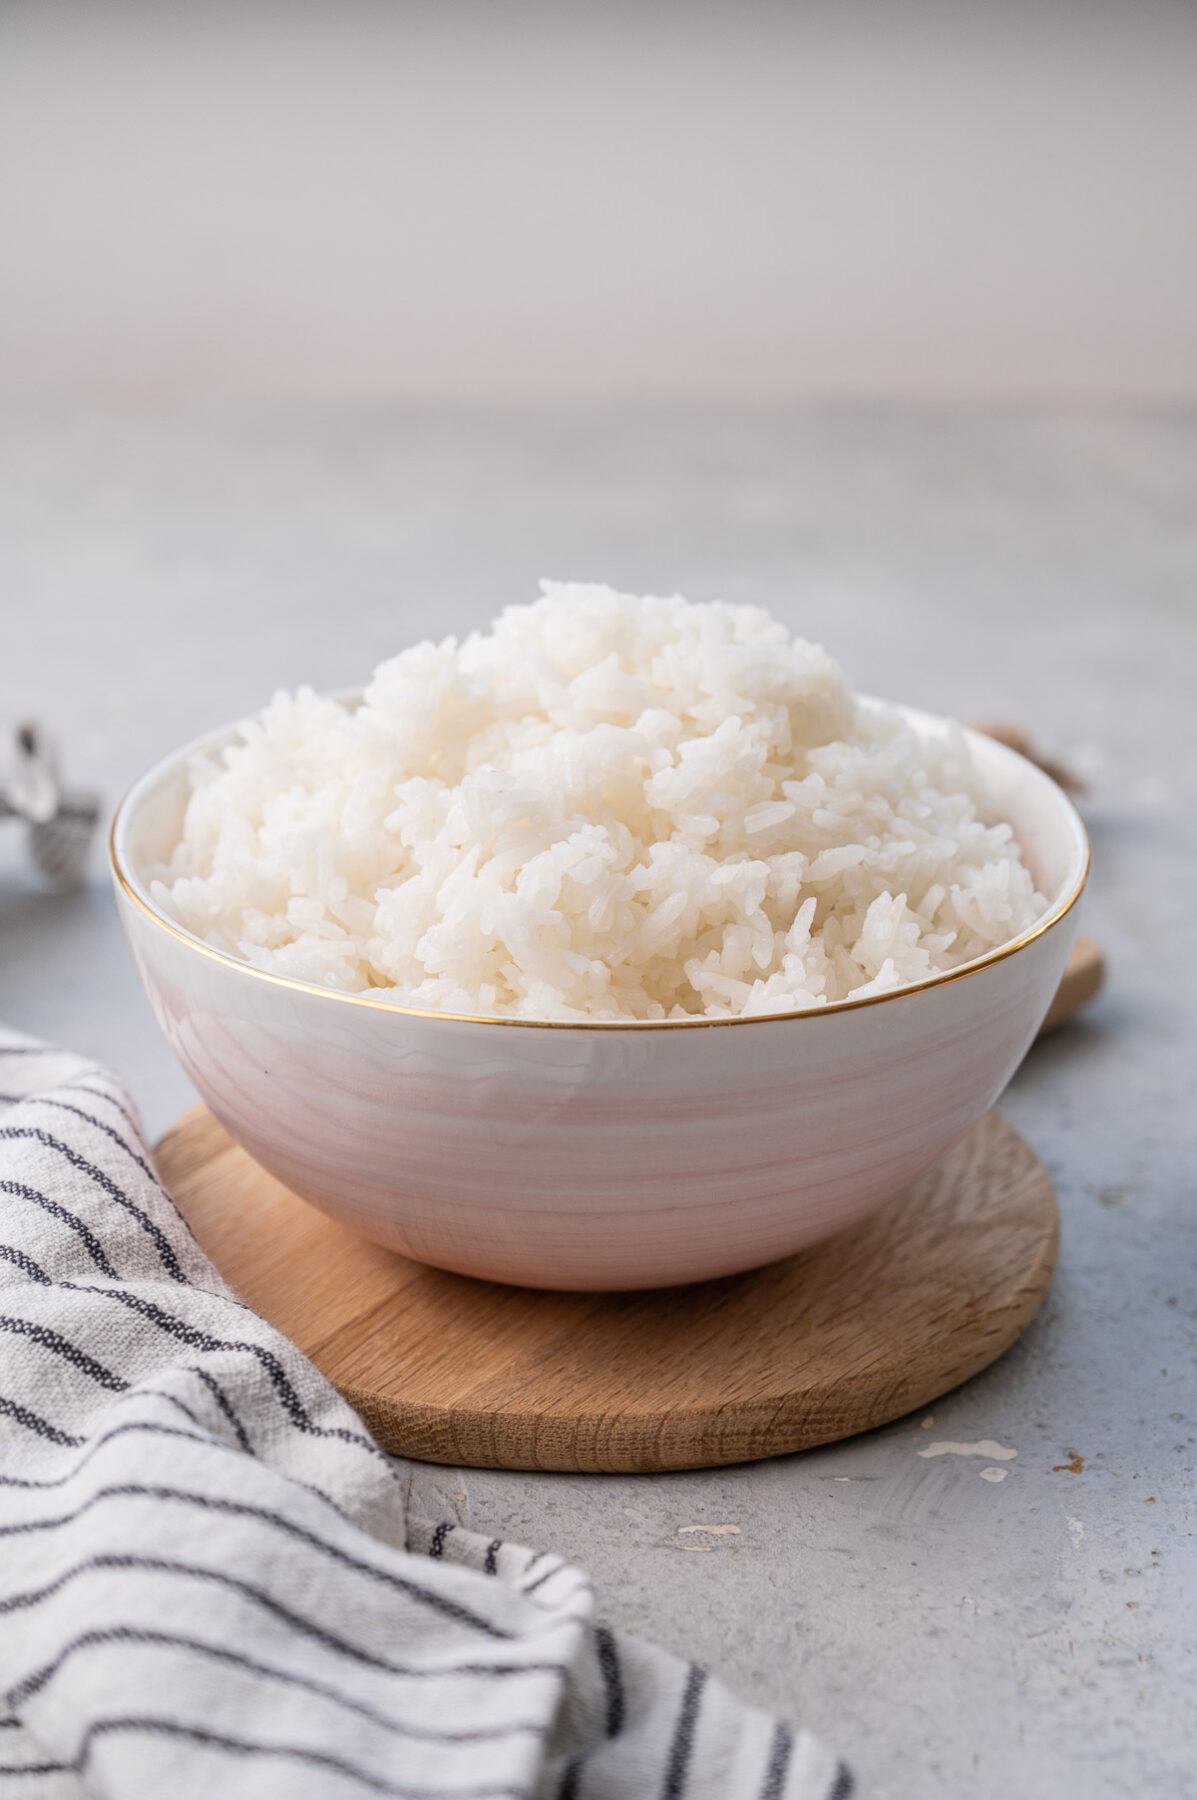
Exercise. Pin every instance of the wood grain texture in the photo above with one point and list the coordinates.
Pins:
(861, 1329)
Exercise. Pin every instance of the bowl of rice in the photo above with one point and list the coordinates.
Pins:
(620, 946)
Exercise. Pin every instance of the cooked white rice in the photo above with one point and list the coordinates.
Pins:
(604, 808)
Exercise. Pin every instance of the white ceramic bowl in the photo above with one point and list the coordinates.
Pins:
(604, 1155)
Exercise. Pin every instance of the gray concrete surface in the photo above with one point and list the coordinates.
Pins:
(952, 1635)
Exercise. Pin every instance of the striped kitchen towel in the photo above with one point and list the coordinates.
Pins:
(209, 1582)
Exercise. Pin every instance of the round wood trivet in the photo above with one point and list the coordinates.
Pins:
(875, 1322)
(1084, 977)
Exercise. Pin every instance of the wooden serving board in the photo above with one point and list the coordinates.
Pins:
(880, 1320)
(855, 1332)
(1083, 979)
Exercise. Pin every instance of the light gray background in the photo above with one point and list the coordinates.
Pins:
(160, 575)
(743, 199)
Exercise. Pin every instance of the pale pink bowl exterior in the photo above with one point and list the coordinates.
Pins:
(608, 1156)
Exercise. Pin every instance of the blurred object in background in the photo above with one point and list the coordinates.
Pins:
(1016, 737)
(737, 201)
(60, 821)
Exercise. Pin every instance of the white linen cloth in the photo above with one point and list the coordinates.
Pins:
(209, 1583)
